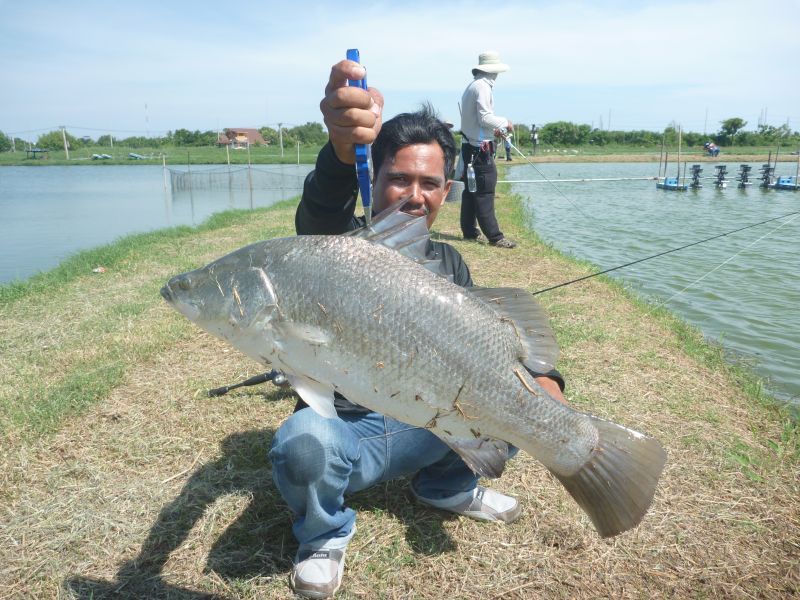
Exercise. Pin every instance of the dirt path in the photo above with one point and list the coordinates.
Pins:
(161, 492)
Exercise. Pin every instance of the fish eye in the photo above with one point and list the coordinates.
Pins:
(184, 283)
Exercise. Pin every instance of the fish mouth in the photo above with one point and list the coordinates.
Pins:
(166, 293)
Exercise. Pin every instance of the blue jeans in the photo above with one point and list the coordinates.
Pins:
(316, 461)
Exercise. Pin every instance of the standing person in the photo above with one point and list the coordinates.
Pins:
(479, 125)
(534, 138)
(316, 461)
(507, 145)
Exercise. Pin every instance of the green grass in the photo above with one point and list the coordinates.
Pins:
(175, 156)
(181, 156)
(64, 369)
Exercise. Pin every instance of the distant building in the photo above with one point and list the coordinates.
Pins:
(240, 137)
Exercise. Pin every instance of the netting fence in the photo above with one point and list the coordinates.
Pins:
(288, 178)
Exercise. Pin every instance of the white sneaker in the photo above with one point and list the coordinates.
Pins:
(480, 503)
(318, 567)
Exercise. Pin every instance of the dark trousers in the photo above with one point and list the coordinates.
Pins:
(478, 207)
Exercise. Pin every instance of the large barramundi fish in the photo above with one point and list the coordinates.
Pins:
(367, 316)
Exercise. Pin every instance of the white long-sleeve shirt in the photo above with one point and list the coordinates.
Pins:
(478, 120)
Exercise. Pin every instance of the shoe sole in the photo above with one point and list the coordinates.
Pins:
(311, 593)
(515, 514)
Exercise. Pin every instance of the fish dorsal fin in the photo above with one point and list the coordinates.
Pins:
(404, 233)
(539, 346)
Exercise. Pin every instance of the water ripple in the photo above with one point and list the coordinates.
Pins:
(740, 289)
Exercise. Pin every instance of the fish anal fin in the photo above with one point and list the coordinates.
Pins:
(318, 396)
(539, 348)
(485, 456)
(615, 487)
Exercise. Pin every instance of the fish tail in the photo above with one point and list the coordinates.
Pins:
(615, 487)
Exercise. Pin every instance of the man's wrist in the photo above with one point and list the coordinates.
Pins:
(345, 153)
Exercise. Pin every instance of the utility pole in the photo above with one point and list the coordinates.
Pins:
(64, 137)
(280, 136)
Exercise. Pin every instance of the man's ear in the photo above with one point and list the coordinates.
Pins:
(447, 187)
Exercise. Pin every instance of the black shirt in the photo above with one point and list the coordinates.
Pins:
(328, 207)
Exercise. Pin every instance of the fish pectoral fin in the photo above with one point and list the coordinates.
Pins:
(310, 334)
(615, 487)
(539, 350)
(318, 396)
(484, 455)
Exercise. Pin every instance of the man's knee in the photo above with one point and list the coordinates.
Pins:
(307, 444)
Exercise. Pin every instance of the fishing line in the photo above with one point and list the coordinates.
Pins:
(723, 263)
(555, 187)
(634, 262)
(714, 237)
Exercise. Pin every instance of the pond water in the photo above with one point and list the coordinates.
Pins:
(49, 213)
(742, 290)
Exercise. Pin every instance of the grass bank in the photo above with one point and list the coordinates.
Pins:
(175, 156)
(179, 157)
(120, 478)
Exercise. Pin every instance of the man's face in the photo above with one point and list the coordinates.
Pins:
(415, 172)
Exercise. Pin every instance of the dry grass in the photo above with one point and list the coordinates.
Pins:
(158, 491)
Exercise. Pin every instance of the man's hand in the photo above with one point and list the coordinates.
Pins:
(352, 115)
(551, 387)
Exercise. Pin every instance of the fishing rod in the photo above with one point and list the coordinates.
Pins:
(274, 376)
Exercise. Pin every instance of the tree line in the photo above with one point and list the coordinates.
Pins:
(559, 134)
(731, 132)
(310, 133)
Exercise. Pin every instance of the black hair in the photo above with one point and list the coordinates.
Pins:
(420, 127)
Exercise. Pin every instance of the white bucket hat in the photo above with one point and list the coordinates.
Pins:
(489, 62)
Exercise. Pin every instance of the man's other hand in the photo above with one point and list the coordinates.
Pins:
(551, 387)
(352, 115)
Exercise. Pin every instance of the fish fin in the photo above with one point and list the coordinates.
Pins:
(317, 395)
(484, 455)
(539, 345)
(389, 218)
(310, 334)
(616, 485)
(404, 233)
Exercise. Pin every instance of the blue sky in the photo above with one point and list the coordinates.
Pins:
(93, 66)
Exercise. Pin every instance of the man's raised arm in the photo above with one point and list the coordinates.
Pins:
(352, 116)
